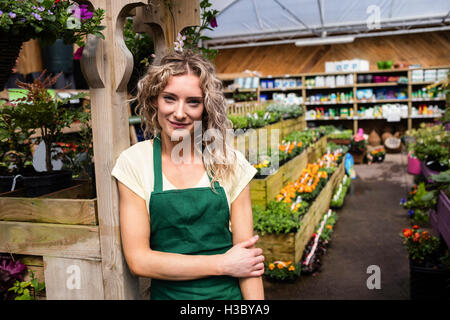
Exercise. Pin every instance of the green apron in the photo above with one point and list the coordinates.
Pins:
(191, 221)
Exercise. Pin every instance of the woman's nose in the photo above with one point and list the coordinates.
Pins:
(179, 110)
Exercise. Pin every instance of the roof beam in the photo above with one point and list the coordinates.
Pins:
(294, 16)
(320, 4)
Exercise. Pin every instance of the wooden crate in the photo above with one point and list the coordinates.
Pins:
(293, 168)
(291, 246)
(264, 190)
(61, 230)
(317, 149)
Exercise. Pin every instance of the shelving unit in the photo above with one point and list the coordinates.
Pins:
(306, 91)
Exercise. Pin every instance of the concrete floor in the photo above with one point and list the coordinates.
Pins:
(367, 233)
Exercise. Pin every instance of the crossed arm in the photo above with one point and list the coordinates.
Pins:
(243, 260)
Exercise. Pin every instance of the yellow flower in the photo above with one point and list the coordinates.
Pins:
(271, 266)
(291, 268)
(280, 266)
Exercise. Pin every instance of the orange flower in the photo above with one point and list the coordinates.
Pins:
(280, 266)
(425, 235)
(329, 227)
(415, 227)
(407, 233)
(291, 268)
(271, 266)
(299, 144)
(416, 237)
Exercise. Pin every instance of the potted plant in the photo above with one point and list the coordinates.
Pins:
(429, 263)
(46, 20)
(15, 155)
(48, 116)
(358, 146)
(282, 271)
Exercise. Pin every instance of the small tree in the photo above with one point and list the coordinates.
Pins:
(46, 113)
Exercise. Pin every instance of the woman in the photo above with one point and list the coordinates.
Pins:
(187, 224)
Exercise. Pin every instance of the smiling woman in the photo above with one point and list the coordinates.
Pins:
(187, 224)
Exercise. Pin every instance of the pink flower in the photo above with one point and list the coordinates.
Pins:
(213, 22)
(78, 54)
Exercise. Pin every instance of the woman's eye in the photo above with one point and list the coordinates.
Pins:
(169, 98)
(194, 102)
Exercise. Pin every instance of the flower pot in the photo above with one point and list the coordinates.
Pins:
(58, 57)
(428, 283)
(427, 172)
(6, 183)
(414, 165)
(9, 52)
(47, 182)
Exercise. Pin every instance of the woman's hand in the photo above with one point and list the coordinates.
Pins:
(242, 261)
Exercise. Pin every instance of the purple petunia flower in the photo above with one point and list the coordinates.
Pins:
(12, 15)
(213, 22)
(37, 16)
(410, 213)
(1, 13)
(50, 13)
(402, 201)
(78, 54)
(41, 9)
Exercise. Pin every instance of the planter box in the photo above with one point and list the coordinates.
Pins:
(264, 190)
(68, 206)
(340, 141)
(434, 222)
(427, 172)
(443, 216)
(291, 246)
(285, 127)
(428, 283)
(317, 149)
(62, 229)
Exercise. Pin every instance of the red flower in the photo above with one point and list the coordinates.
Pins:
(78, 54)
(416, 237)
(415, 227)
(407, 233)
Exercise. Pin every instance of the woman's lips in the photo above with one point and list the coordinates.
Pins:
(178, 125)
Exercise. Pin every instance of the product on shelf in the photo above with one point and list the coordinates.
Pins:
(330, 81)
(381, 94)
(429, 75)
(387, 111)
(426, 110)
(246, 83)
(290, 98)
(280, 83)
(425, 93)
(335, 97)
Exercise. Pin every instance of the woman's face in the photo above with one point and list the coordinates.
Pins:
(180, 103)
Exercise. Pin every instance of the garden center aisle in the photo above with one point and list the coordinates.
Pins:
(367, 233)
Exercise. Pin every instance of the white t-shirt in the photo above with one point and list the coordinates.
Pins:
(134, 168)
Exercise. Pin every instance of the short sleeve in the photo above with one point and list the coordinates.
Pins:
(244, 173)
(127, 173)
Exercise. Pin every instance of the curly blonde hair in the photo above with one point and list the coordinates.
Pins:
(218, 163)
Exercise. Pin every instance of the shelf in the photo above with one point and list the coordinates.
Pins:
(280, 89)
(329, 119)
(240, 90)
(427, 117)
(422, 83)
(330, 88)
(379, 84)
(327, 103)
(385, 101)
(427, 99)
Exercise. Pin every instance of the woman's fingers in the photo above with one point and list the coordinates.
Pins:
(250, 242)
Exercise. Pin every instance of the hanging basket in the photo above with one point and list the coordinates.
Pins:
(9, 52)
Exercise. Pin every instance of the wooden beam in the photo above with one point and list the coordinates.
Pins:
(42, 239)
(73, 279)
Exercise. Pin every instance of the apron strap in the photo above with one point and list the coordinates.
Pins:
(157, 167)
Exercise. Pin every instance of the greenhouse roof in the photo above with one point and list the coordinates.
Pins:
(265, 22)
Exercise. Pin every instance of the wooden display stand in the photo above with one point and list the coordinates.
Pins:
(78, 240)
(290, 246)
(262, 191)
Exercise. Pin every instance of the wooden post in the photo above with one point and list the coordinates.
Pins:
(107, 66)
